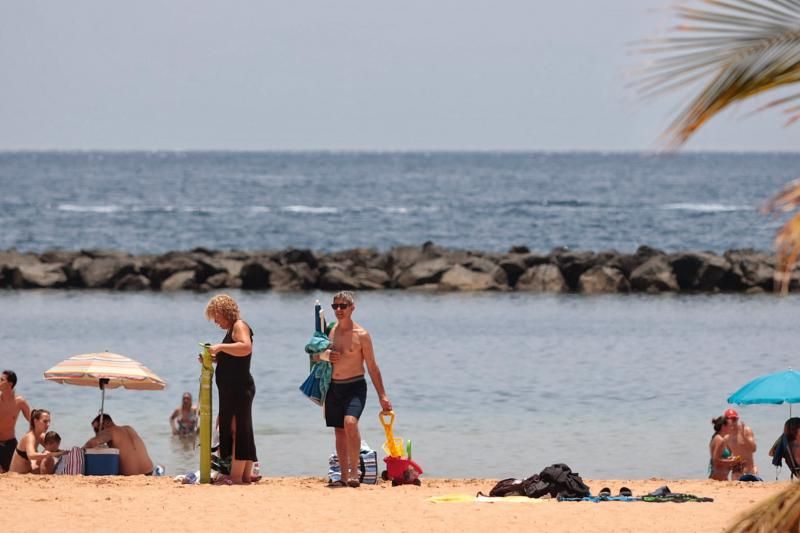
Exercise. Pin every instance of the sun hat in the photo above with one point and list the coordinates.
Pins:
(731, 413)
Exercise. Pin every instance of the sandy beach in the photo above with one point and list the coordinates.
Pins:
(37, 503)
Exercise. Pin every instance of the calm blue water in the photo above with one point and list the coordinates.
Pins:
(154, 202)
(491, 385)
(488, 385)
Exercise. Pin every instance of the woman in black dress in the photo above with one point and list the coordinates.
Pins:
(236, 387)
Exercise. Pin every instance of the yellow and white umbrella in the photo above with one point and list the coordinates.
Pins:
(105, 370)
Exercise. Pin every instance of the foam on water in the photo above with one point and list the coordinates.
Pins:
(707, 208)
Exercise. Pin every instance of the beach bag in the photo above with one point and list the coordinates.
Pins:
(507, 487)
(368, 466)
(557, 480)
(71, 463)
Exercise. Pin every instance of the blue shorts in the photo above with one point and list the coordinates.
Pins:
(345, 398)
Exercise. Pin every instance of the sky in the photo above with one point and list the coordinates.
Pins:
(344, 75)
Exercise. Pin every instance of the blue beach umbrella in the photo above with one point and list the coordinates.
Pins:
(777, 388)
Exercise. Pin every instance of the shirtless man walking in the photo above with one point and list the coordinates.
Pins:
(741, 443)
(133, 457)
(344, 403)
(11, 405)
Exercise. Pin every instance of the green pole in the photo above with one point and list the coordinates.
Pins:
(206, 372)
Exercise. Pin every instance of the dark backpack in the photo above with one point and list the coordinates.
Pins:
(535, 487)
(507, 487)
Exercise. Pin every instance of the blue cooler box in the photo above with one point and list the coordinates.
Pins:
(101, 462)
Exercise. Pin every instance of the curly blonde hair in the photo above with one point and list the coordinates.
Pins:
(224, 306)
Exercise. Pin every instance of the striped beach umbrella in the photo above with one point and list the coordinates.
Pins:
(105, 370)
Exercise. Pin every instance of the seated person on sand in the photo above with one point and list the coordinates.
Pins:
(184, 421)
(27, 459)
(742, 443)
(791, 455)
(722, 460)
(51, 443)
(133, 457)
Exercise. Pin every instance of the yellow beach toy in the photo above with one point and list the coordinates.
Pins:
(393, 447)
(399, 469)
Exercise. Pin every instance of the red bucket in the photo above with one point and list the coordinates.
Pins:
(402, 471)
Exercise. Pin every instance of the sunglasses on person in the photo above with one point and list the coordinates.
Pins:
(340, 306)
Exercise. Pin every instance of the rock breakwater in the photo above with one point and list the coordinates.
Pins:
(422, 268)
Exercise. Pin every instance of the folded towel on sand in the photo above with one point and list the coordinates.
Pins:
(480, 498)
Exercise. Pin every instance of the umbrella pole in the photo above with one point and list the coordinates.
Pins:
(206, 372)
(103, 382)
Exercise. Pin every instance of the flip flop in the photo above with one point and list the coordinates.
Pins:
(605, 491)
(625, 491)
(336, 484)
(223, 480)
(353, 483)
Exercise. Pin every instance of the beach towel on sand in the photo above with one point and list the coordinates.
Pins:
(71, 463)
(481, 498)
(664, 495)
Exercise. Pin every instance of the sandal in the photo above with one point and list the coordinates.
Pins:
(353, 483)
(336, 484)
(605, 491)
(223, 480)
(625, 491)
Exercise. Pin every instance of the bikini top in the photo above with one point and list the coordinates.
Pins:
(188, 424)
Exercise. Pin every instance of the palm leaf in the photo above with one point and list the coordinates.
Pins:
(780, 512)
(741, 48)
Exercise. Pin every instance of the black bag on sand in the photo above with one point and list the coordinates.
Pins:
(507, 487)
(557, 480)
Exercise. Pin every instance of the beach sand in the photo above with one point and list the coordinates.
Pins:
(77, 503)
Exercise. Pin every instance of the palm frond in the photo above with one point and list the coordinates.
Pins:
(741, 48)
(745, 47)
(780, 512)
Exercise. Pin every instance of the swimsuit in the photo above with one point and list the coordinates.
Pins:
(22, 454)
(236, 391)
(187, 428)
(346, 397)
(726, 453)
(6, 453)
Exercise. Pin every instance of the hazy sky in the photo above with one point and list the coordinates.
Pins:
(341, 75)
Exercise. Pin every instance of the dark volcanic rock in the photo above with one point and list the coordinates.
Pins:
(542, 278)
(654, 275)
(603, 279)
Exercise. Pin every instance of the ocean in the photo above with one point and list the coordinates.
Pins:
(162, 201)
(485, 385)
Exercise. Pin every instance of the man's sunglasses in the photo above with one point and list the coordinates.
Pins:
(340, 306)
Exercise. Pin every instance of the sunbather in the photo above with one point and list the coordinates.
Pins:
(133, 457)
(788, 446)
(722, 461)
(742, 443)
(27, 458)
